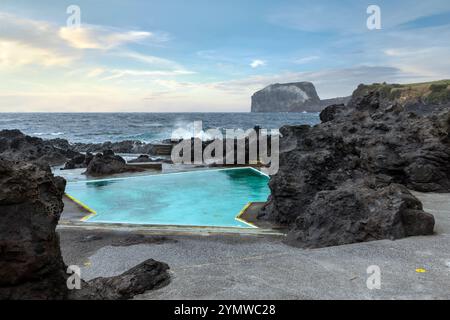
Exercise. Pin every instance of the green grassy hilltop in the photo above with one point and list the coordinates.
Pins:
(435, 92)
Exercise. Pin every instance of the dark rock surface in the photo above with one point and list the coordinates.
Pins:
(147, 159)
(31, 266)
(291, 97)
(360, 212)
(340, 100)
(354, 160)
(143, 158)
(146, 276)
(16, 146)
(80, 161)
(108, 163)
(330, 112)
(128, 146)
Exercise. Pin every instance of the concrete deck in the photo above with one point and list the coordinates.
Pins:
(233, 266)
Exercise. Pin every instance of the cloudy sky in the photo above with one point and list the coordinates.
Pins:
(208, 55)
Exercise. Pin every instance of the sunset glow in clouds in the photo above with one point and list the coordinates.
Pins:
(164, 56)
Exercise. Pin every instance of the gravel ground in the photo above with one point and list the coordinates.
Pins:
(262, 267)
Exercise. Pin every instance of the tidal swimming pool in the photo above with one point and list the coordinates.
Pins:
(211, 198)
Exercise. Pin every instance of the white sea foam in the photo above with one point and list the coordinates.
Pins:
(48, 133)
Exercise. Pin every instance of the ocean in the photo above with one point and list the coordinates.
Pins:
(146, 127)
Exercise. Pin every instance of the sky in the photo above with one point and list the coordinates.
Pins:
(208, 55)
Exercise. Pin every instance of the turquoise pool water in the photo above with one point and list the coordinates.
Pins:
(196, 198)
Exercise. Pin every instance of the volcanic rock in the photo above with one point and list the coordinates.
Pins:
(108, 163)
(31, 266)
(146, 276)
(321, 169)
(358, 212)
(16, 146)
(80, 161)
(141, 159)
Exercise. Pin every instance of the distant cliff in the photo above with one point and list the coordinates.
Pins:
(418, 97)
(291, 97)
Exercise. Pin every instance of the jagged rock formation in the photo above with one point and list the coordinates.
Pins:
(329, 102)
(128, 146)
(360, 211)
(339, 182)
(31, 265)
(291, 97)
(16, 146)
(79, 162)
(108, 163)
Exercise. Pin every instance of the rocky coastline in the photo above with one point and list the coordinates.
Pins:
(346, 180)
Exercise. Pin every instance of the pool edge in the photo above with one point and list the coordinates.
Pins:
(242, 212)
(92, 212)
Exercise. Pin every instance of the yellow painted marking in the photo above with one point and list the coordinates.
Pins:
(238, 217)
(92, 212)
(421, 270)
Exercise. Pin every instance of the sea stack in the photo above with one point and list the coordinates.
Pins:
(289, 97)
(292, 97)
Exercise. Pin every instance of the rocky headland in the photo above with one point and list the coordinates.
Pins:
(346, 180)
(291, 97)
(420, 98)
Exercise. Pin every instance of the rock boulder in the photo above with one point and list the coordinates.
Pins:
(31, 266)
(108, 163)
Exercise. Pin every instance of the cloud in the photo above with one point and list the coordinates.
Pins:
(16, 54)
(34, 42)
(350, 17)
(170, 95)
(120, 73)
(97, 37)
(305, 60)
(434, 20)
(95, 72)
(257, 63)
(31, 42)
(150, 60)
